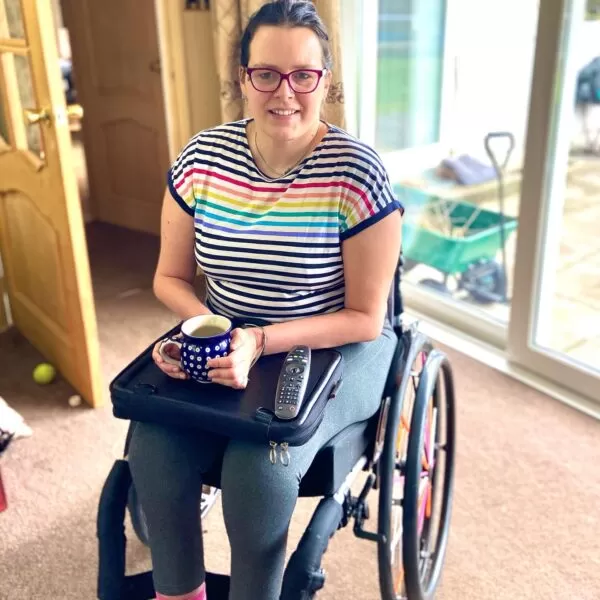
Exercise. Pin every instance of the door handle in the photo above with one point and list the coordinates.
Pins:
(37, 115)
(75, 112)
(43, 115)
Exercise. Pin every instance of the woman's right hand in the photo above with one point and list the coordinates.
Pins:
(172, 350)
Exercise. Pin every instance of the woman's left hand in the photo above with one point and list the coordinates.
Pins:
(232, 370)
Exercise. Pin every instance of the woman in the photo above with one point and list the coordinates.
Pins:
(293, 221)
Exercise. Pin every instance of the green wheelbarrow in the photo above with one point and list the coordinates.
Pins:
(458, 239)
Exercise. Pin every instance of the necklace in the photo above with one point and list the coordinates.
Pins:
(285, 171)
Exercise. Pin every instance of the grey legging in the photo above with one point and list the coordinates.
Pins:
(167, 468)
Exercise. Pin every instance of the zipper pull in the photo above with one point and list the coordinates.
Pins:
(273, 453)
(285, 455)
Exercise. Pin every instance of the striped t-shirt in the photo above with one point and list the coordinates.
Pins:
(271, 248)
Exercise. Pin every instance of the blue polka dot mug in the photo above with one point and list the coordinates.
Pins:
(201, 338)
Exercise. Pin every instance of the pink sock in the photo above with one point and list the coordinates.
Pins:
(200, 595)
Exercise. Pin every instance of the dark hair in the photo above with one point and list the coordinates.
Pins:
(286, 13)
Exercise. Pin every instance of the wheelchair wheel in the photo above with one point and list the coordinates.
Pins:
(416, 475)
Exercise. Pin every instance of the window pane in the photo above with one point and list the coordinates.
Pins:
(11, 19)
(34, 133)
(409, 73)
(20, 93)
(461, 223)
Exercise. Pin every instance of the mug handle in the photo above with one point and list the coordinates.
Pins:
(161, 350)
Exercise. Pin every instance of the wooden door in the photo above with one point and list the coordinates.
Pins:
(42, 237)
(117, 75)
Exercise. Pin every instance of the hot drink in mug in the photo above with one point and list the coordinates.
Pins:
(202, 337)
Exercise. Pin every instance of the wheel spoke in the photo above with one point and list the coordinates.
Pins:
(399, 582)
(397, 565)
(428, 428)
(424, 492)
(432, 436)
(425, 562)
(428, 461)
(429, 501)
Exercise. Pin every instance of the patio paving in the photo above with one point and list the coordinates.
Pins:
(575, 311)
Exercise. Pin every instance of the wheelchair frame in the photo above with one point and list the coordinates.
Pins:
(410, 461)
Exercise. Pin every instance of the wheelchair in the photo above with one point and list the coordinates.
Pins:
(407, 452)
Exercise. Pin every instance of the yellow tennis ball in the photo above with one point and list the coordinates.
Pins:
(44, 373)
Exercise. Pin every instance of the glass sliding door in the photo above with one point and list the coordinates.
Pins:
(555, 326)
(449, 74)
(428, 81)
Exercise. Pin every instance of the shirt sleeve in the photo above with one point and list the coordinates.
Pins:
(368, 197)
(180, 178)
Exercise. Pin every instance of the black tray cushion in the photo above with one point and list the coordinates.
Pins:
(141, 392)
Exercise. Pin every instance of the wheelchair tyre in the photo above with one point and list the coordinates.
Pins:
(410, 522)
(428, 480)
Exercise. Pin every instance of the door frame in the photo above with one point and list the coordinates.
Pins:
(548, 89)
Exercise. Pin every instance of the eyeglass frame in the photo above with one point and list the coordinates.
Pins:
(286, 77)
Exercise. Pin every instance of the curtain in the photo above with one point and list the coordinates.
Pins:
(229, 20)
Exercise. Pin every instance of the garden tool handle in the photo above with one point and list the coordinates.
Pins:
(488, 147)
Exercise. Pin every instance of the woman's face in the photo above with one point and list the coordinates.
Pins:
(285, 49)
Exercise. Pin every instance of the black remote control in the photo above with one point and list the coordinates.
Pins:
(293, 379)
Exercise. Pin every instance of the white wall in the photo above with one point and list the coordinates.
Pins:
(494, 53)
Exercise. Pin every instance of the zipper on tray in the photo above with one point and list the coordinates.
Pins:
(284, 454)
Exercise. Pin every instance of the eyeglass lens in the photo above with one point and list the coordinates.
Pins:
(267, 80)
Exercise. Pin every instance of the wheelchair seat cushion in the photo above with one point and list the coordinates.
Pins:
(332, 463)
(337, 458)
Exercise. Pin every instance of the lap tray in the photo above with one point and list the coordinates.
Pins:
(142, 392)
